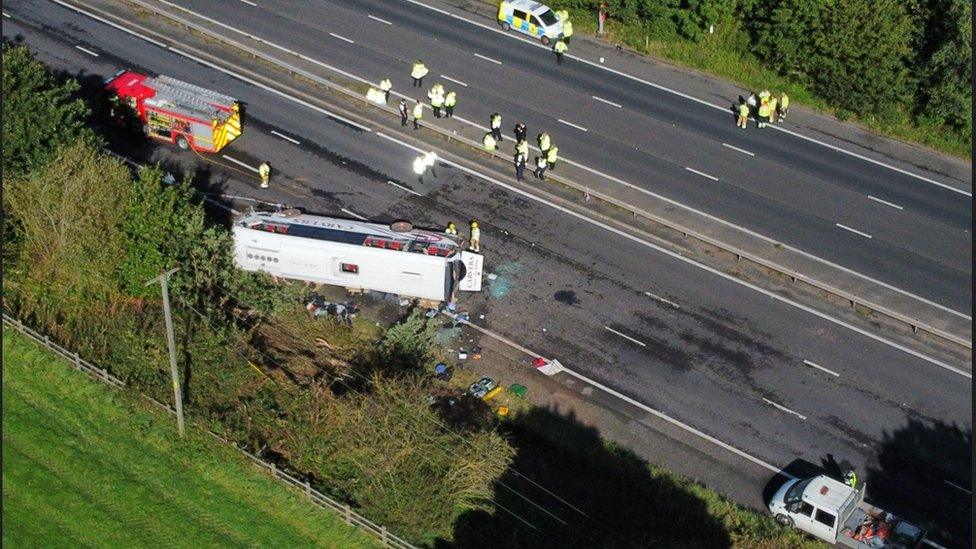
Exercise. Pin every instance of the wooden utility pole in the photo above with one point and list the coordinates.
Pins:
(163, 280)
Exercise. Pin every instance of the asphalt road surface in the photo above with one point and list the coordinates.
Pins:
(791, 190)
(727, 360)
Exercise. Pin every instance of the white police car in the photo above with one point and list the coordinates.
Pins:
(531, 18)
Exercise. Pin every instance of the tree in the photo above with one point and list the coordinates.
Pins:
(39, 113)
(64, 275)
(945, 72)
(854, 53)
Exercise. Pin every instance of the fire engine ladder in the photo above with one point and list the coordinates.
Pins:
(198, 92)
(186, 96)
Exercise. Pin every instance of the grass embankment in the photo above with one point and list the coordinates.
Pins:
(84, 465)
(714, 55)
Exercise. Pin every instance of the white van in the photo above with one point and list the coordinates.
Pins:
(836, 513)
(531, 18)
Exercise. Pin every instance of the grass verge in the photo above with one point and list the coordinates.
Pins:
(84, 465)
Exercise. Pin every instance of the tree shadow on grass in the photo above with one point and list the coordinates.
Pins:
(607, 497)
(911, 475)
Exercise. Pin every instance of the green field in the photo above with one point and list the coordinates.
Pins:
(84, 465)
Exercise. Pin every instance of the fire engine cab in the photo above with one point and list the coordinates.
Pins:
(174, 111)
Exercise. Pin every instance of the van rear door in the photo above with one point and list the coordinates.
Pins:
(470, 279)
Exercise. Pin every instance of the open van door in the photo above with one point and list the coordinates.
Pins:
(470, 278)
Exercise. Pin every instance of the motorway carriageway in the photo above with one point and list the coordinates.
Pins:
(893, 227)
(765, 377)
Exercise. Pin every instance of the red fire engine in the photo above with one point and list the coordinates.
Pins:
(175, 111)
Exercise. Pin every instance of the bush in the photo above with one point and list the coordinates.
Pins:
(39, 114)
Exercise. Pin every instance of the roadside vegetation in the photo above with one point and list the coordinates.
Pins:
(901, 68)
(87, 465)
(342, 405)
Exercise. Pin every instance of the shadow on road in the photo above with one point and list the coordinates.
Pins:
(618, 501)
(911, 475)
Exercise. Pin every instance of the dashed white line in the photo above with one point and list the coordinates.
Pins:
(821, 368)
(89, 52)
(662, 300)
(957, 487)
(285, 137)
(570, 124)
(354, 214)
(495, 61)
(784, 408)
(239, 163)
(404, 188)
(743, 151)
(722, 108)
(855, 231)
(374, 18)
(343, 38)
(446, 77)
(885, 202)
(611, 103)
(591, 170)
(703, 174)
(721, 274)
(5, 14)
(625, 336)
(249, 3)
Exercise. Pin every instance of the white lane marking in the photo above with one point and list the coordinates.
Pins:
(612, 392)
(885, 202)
(239, 163)
(933, 544)
(343, 38)
(404, 188)
(743, 151)
(570, 124)
(354, 214)
(677, 423)
(89, 52)
(821, 368)
(587, 168)
(110, 23)
(285, 137)
(703, 174)
(5, 14)
(629, 236)
(956, 486)
(611, 103)
(784, 408)
(855, 231)
(249, 3)
(662, 300)
(625, 336)
(446, 77)
(374, 18)
(689, 97)
(495, 61)
(731, 278)
(271, 90)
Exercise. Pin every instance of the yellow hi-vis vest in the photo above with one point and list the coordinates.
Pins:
(489, 142)
(744, 110)
(451, 99)
(784, 101)
(386, 85)
(551, 154)
(522, 148)
(418, 111)
(567, 28)
(764, 109)
(419, 70)
(437, 100)
(560, 47)
(544, 142)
